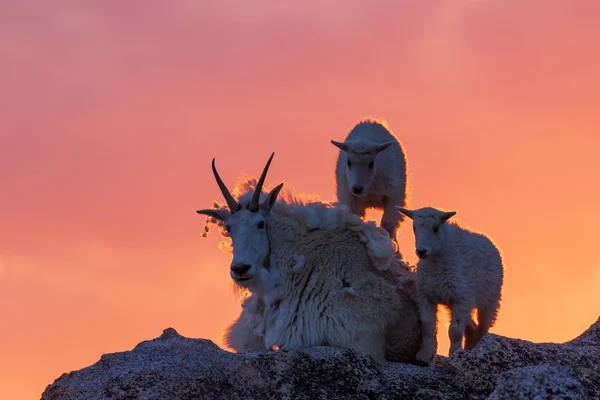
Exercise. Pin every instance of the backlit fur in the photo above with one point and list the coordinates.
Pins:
(372, 158)
(460, 269)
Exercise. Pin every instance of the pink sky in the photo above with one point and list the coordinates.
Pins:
(110, 115)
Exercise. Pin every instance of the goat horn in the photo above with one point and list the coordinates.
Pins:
(253, 206)
(231, 203)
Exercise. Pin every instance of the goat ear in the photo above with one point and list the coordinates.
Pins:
(341, 146)
(383, 146)
(409, 213)
(221, 215)
(271, 198)
(447, 215)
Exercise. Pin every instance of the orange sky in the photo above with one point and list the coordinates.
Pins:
(110, 115)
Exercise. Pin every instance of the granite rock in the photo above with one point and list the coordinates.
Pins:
(174, 367)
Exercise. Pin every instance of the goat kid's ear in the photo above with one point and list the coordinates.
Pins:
(271, 198)
(409, 213)
(382, 147)
(341, 146)
(447, 215)
(220, 215)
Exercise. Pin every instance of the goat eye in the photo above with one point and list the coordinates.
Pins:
(261, 224)
(371, 165)
(435, 228)
(349, 164)
(228, 228)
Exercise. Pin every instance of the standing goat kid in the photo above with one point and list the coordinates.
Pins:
(371, 172)
(459, 269)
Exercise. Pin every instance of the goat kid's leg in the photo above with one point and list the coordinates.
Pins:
(428, 315)
(358, 207)
(346, 198)
(390, 220)
(486, 316)
(461, 317)
(471, 335)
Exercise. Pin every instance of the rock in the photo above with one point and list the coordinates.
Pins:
(495, 355)
(175, 367)
(538, 382)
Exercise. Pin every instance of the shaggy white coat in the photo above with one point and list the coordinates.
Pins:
(460, 269)
(333, 280)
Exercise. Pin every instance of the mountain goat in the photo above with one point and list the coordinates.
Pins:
(371, 172)
(318, 275)
(457, 268)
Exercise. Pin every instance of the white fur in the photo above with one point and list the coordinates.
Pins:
(247, 333)
(384, 185)
(459, 269)
(332, 279)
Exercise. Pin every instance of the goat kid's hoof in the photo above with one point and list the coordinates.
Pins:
(421, 363)
(424, 358)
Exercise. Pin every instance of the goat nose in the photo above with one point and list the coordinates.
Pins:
(421, 252)
(357, 189)
(240, 269)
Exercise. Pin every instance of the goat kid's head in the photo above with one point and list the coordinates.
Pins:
(247, 227)
(429, 226)
(361, 163)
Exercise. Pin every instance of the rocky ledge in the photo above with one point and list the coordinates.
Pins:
(174, 367)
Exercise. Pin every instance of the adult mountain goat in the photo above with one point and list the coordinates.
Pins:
(318, 275)
(371, 172)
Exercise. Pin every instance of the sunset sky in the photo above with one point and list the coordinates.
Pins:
(110, 113)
